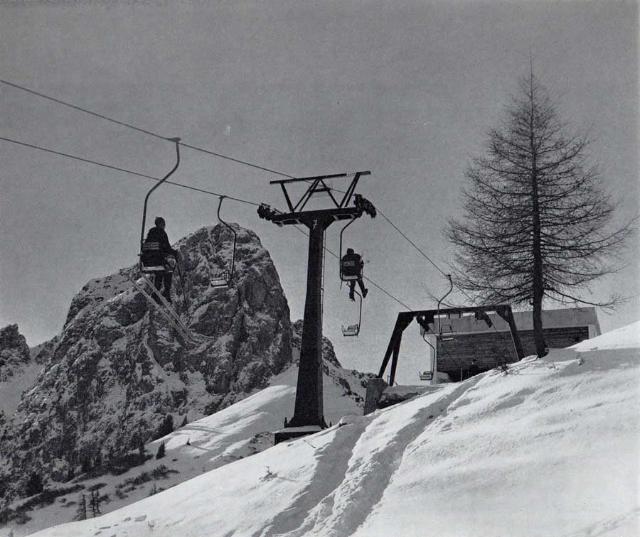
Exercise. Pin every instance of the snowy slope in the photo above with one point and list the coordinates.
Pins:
(228, 434)
(548, 449)
(238, 431)
(626, 337)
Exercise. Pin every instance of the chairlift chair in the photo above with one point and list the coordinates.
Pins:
(221, 279)
(439, 336)
(438, 332)
(224, 277)
(351, 330)
(350, 270)
(426, 375)
(354, 329)
(151, 260)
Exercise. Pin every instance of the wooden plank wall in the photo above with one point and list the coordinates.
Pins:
(492, 349)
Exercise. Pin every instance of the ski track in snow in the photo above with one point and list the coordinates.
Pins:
(350, 480)
(331, 465)
(624, 524)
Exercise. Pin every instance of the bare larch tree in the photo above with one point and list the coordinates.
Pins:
(536, 224)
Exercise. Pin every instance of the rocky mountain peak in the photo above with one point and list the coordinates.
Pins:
(118, 369)
(14, 350)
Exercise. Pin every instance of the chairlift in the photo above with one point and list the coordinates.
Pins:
(351, 330)
(440, 302)
(151, 260)
(354, 329)
(428, 375)
(224, 277)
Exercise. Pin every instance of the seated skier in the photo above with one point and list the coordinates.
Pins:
(352, 265)
(158, 241)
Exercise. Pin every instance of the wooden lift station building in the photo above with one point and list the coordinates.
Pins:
(465, 339)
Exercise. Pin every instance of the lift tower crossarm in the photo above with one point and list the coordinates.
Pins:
(302, 218)
(318, 185)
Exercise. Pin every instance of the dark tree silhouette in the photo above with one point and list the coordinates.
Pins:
(142, 454)
(165, 427)
(536, 222)
(95, 503)
(81, 513)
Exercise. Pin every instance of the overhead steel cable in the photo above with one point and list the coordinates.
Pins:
(81, 109)
(124, 170)
(139, 129)
(232, 159)
(412, 243)
(387, 293)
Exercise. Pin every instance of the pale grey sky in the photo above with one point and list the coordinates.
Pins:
(407, 90)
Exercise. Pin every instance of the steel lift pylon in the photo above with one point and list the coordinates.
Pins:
(309, 412)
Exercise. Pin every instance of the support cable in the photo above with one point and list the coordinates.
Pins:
(412, 243)
(139, 129)
(423, 254)
(232, 159)
(124, 170)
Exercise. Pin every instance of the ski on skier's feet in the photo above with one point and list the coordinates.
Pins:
(155, 298)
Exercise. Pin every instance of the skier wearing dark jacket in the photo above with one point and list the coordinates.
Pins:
(352, 266)
(159, 236)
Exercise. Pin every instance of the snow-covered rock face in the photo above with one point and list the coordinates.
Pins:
(117, 369)
(18, 370)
